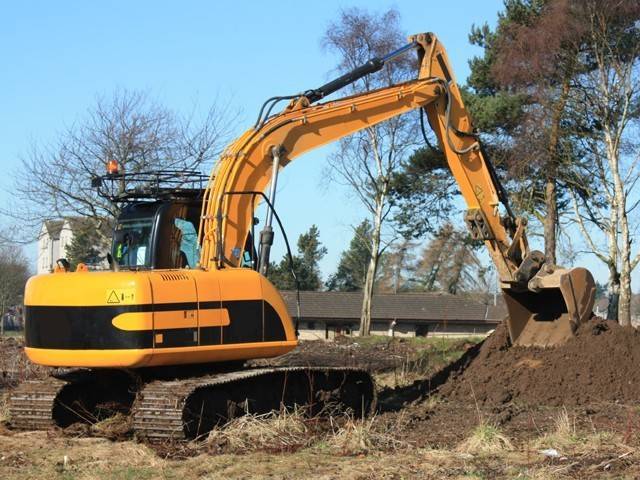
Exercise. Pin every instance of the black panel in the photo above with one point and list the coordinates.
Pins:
(246, 322)
(177, 337)
(210, 335)
(90, 328)
(82, 328)
(273, 327)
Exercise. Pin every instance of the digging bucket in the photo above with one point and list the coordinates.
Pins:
(553, 307)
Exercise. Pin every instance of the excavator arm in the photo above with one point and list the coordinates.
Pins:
(545, 303)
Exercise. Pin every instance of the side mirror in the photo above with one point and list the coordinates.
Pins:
(62, 265)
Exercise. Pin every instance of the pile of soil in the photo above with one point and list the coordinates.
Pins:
(600, 364)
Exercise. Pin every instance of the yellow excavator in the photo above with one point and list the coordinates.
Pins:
(164, 334)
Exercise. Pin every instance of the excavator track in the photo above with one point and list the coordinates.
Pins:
(79, 395)
(188, 408)
(179, 410)
(31, 404)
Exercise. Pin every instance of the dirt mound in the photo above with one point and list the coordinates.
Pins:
(600, 364)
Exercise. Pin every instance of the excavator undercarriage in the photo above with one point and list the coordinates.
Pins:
(189, 406)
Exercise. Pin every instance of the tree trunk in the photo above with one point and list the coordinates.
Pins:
(550, 221)
(369, 282)
(550, 193)
(624, 302)
(614, 294)
(624, 305)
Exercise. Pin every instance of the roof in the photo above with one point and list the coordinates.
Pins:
(53, 227)
(418, 306)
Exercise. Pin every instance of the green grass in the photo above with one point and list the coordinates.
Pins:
(439, 342)
(13, 333)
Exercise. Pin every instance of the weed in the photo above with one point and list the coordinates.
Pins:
(114, 427)
(485, 438)
(275, 432)
(353, 436)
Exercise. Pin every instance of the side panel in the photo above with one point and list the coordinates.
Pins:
(114, 319)
(175, 309)
(211, 317)
(241, 295)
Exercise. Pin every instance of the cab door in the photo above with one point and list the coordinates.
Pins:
(175, 309)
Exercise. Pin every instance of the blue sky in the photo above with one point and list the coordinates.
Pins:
(58, 56)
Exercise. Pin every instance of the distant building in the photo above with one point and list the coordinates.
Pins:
(53, 239)
(327, 314)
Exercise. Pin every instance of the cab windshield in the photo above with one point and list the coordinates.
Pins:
(131, 243)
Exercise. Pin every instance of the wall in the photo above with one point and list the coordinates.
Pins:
(401, 329)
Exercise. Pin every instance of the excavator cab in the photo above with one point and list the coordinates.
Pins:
(159, 217)
(159, 234)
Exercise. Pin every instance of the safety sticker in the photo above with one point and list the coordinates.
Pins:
(117, 296)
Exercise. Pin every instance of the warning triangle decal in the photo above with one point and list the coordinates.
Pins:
(113, 297)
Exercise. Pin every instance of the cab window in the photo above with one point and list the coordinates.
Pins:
(189, 248)
(131, 246)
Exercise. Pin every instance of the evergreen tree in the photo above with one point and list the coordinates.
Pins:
(352, 268)
(397, 268)
(87, 244)
(305, 264)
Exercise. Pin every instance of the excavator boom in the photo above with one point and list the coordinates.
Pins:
(545, 302)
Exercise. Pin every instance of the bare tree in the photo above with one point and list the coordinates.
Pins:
(54, 180)
(366, 161)
(14, 272)
(397, 267)
(608, 103)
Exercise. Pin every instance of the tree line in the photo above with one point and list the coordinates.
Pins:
(448, 262)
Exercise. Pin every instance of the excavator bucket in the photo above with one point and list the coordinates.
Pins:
(550, 312)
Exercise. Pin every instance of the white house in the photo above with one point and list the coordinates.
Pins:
(53, 239)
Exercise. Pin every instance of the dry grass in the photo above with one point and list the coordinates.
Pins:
(353, 436)
(564, 435)
(566, 438)
(485, 438)
(282, 431)
(115, 427)
(4, 408)
(293, 430)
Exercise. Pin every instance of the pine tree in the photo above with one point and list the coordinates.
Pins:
(87, 245)
(352, 268)
(305, 264)
(449, 263)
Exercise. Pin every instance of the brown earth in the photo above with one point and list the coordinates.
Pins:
(601, 364)
(376, 355)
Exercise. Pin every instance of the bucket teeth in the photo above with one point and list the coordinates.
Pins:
(549, 313)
